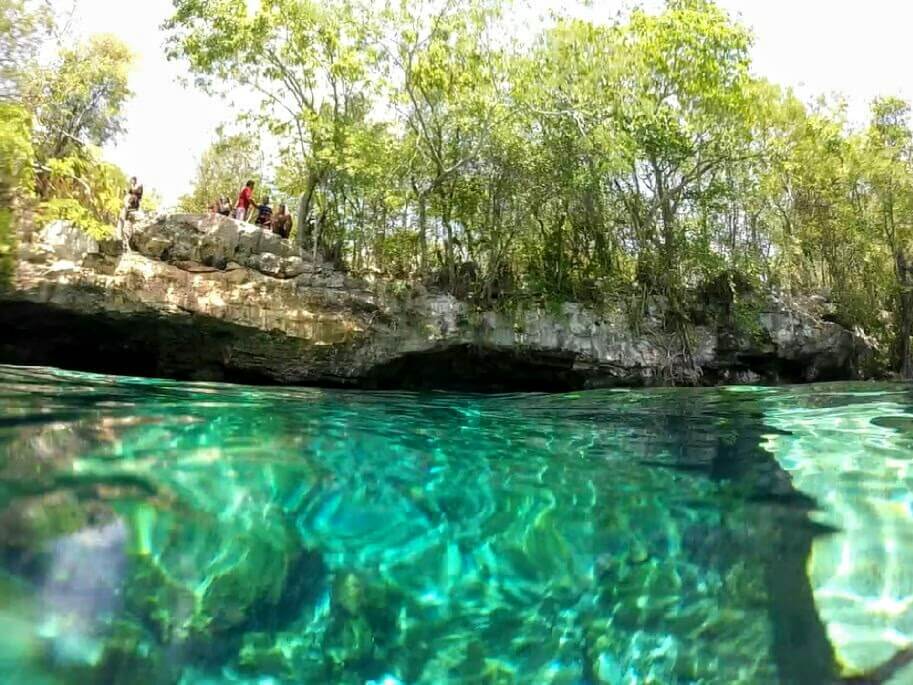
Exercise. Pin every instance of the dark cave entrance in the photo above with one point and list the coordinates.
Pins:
(469, 368)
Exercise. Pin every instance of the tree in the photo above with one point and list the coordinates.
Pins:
(890, 145)
(76, 103)
(448, 98)
(84, 190)
(224, 167)
(570, 159)
(61, 113)
(310, 64)
(635, 158)
(22, 27)
(682, 118)
(78, 100)
(813, 203)
(16, 159)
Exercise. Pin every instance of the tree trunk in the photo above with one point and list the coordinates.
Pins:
(422, 233)
(668, 219)
(303, 215)
(379, 257)
(668, 235)
(905, 323)
(7, 234)
(304, 212)
(448, 250)
(318, 229)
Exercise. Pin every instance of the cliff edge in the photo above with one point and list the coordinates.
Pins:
(209, 298)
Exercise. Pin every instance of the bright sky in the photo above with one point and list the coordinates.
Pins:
(859, 49)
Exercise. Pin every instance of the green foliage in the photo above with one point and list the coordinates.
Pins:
(16, 177)
(78, 100)
(22, 25)
(16, 152)
(7, 245)
(746, 319)
(228, 163)
(84, 190)
(312, 67)
(398, 252)
(64, 110)
(632, 160)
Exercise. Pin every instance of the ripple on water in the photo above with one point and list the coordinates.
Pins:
(306, 536)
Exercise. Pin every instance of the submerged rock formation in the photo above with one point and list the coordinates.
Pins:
(209, 298)
(298, 536)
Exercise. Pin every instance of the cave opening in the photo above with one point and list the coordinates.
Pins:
(470, 368)
(197, 348)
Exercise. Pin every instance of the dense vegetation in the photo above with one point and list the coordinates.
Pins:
(431, 140)
(637, 159)
(231, 160)
(56, 115)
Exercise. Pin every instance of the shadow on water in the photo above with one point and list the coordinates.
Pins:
(721, 441)
(204, 533)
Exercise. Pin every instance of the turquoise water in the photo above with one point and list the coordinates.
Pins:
(158, 532)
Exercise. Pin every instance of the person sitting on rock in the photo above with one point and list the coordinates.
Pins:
(282, 222)
(264, 213)
(223, 207)
(134, 195)
(245, 201)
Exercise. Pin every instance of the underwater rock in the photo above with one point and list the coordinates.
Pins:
(79, 595)
(362, 623)
(194, 588)
(43, 511)
(297, 535)
(28, 523)
(355, 628)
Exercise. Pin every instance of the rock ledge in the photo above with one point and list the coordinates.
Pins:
(209, 298)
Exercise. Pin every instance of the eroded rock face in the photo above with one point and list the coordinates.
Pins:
(217, 241)
(66, 242)
(207, 297)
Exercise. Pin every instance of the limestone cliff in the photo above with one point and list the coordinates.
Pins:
(208, 298)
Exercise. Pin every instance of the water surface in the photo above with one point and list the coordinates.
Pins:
(159, 532)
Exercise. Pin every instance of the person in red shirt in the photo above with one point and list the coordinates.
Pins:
(245, 201)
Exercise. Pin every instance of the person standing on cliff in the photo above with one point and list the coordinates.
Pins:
(132, 202)
(282, 222)
(245, 201)
(264, 214)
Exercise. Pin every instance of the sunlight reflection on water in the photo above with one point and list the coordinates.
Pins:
(222, 534)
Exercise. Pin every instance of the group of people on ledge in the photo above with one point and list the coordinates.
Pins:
(246, 208)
